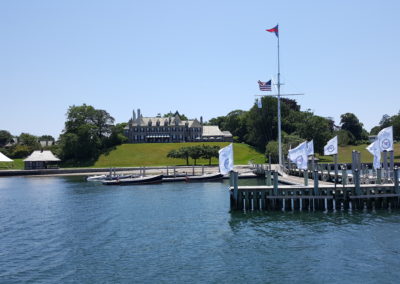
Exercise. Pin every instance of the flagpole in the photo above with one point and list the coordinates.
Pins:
(279, 111)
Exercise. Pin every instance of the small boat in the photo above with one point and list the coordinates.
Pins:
(135, 180)
(203, 178)
(108, 177)
(96, 178)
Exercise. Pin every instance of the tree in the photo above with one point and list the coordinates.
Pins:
(117, 136)
(87, 133)
(5, 137)
(182, 153)
(209, 152)
(29, 140)
(195, 152)
(272, 150)
(345, 137)
(181, 116)
(375, 130)
(46, 138)
(20, 151)
(318, 129)
(351, 123)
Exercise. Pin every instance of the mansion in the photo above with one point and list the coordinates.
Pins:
(172, 129)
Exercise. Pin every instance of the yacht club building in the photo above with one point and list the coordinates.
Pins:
(159, 129)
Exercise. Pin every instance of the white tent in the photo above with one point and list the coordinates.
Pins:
(4, 158)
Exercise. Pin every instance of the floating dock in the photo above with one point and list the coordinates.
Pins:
(316, 196)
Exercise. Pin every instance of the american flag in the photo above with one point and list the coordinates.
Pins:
(265, 86)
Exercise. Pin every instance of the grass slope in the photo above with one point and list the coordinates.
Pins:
(344, 155)
(155, 154)
(18, 164)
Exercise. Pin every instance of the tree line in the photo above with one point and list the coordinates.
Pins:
(195, 152)
(89, 132)
(258, 127)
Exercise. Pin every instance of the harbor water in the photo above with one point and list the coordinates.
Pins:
(66, 230)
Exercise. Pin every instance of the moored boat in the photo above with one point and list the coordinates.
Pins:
(206, 177)
(135, 180)
(108, 177)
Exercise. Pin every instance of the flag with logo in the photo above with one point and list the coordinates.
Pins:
(226, 159)
(264, 86)
(385, 139)
(331, 148)
(298, 156)
(310, 148)
(375, 150)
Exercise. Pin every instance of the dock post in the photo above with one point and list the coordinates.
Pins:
(202, 169)
(391, 167)
(315, 182)
(167, 171)
(344, 175)
(385, 166)
(174, 171)
(336, 168)
(144, 171)
(357, 182)
(275, 173)
(379, 176)
(268, 177)
(315, 187)
(396, 179)
(193, 170)
(305, 177)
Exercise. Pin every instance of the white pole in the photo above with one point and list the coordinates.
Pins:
(279, 110)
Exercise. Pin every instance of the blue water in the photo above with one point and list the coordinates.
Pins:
(69, 231)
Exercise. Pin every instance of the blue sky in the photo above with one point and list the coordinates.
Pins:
(203, 58)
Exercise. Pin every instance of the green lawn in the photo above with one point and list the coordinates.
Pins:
(18, 164)
(155, 154)
(344, 155)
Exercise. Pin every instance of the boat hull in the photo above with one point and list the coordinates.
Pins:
(135, 181)
(205, 178)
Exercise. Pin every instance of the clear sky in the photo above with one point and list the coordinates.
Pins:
(203, 58)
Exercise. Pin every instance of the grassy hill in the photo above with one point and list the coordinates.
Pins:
(344, 155)
(18, 164)
(155, 154)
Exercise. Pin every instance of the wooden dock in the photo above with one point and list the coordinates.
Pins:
(317, 196)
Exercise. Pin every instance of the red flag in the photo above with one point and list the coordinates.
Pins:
(274, 30)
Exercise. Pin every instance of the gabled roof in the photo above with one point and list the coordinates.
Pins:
(144, 121)
(42, 156)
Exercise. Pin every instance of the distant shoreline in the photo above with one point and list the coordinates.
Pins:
(189, 170)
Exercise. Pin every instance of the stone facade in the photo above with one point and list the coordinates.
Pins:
(162, 129)
(171, 129)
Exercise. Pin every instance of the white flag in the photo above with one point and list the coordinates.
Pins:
(226, 159)
(310, 148)
(374, 149)
(331, 148)
(298, 156)
(385, 138)
(259, 103)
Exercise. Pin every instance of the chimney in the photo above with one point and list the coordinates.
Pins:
(201, 120)
(133, 115)
(139, 115)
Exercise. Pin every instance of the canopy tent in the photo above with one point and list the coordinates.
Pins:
(4, 158)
